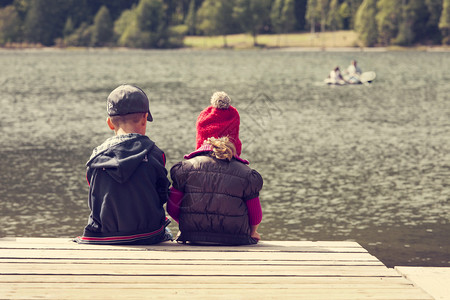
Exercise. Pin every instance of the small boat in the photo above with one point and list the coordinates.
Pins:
(364, 78)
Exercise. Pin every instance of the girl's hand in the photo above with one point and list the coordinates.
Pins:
(256, 235)
(253, 233)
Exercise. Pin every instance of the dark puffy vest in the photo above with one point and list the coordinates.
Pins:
(213, 208)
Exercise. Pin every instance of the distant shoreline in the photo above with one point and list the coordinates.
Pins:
(338, 41)
(369, 49)
(283, 49)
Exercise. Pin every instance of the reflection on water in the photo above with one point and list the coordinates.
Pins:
(363, 163)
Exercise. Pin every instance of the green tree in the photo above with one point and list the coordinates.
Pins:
(84, 22)
(81, 37)
(316, 13)
(413, 22)
(444, 22)
(419, 16)
(388, 20)
(22, 7)
(300, 13)
(191, 18)
(216, 18)
(334, 19)
(312, 14)
(102, 30)
(282, 16)
(252, 15)
(122, 25)
(68, 27)
(323, 6)
(45, 21)
(9, 25)
(275, 16)
(147, 26)
(434, 8)
(130, 36)
(348, 11)
(150, 16)
(288, 17)
(143, 26)
(365, 23)
(79, 12)
(345, 15)
(84, 11)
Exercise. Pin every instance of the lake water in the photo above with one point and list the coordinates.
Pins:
(364, 163)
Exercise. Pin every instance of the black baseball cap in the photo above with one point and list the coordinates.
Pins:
(128, 99)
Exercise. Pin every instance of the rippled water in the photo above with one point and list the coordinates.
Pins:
(363, 163)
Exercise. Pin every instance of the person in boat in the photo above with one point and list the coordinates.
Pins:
(127, 177)
(353, 73)
(335, 76)
(353, 69)
(215, 194)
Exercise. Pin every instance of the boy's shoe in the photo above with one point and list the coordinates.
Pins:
(168, 236)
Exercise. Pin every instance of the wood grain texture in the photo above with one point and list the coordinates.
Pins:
(60, 269)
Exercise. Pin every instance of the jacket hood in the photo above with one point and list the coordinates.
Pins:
(121, 155)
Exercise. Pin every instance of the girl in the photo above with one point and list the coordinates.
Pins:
(215, 194)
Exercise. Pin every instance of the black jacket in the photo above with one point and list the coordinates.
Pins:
(213, 208)
(128, 188)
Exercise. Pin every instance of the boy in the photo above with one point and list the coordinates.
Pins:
(127, 178)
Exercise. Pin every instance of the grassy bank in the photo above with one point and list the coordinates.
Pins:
(245, 41)
(327, 40)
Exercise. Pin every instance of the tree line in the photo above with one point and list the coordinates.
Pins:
(164, 23)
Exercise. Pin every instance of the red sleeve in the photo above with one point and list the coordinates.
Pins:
(254, 211)
(174, 203)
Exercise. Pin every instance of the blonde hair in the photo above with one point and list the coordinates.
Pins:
(223, 148)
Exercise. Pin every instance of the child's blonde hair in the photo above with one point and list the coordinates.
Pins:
(223, 148)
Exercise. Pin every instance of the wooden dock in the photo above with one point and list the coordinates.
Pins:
(53, 268)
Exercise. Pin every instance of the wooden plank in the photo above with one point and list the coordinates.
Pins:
(65, 241)
(435, 281)
(212, 293)
(144, 255)
(192, 262)
(178, 247)
(60, 269)
(207, 270)
(197, 285)
(285, 246)
(139, 279)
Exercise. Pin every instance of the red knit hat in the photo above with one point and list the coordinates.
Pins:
(219, 120)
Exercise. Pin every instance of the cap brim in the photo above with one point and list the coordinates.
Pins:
(149, 117)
